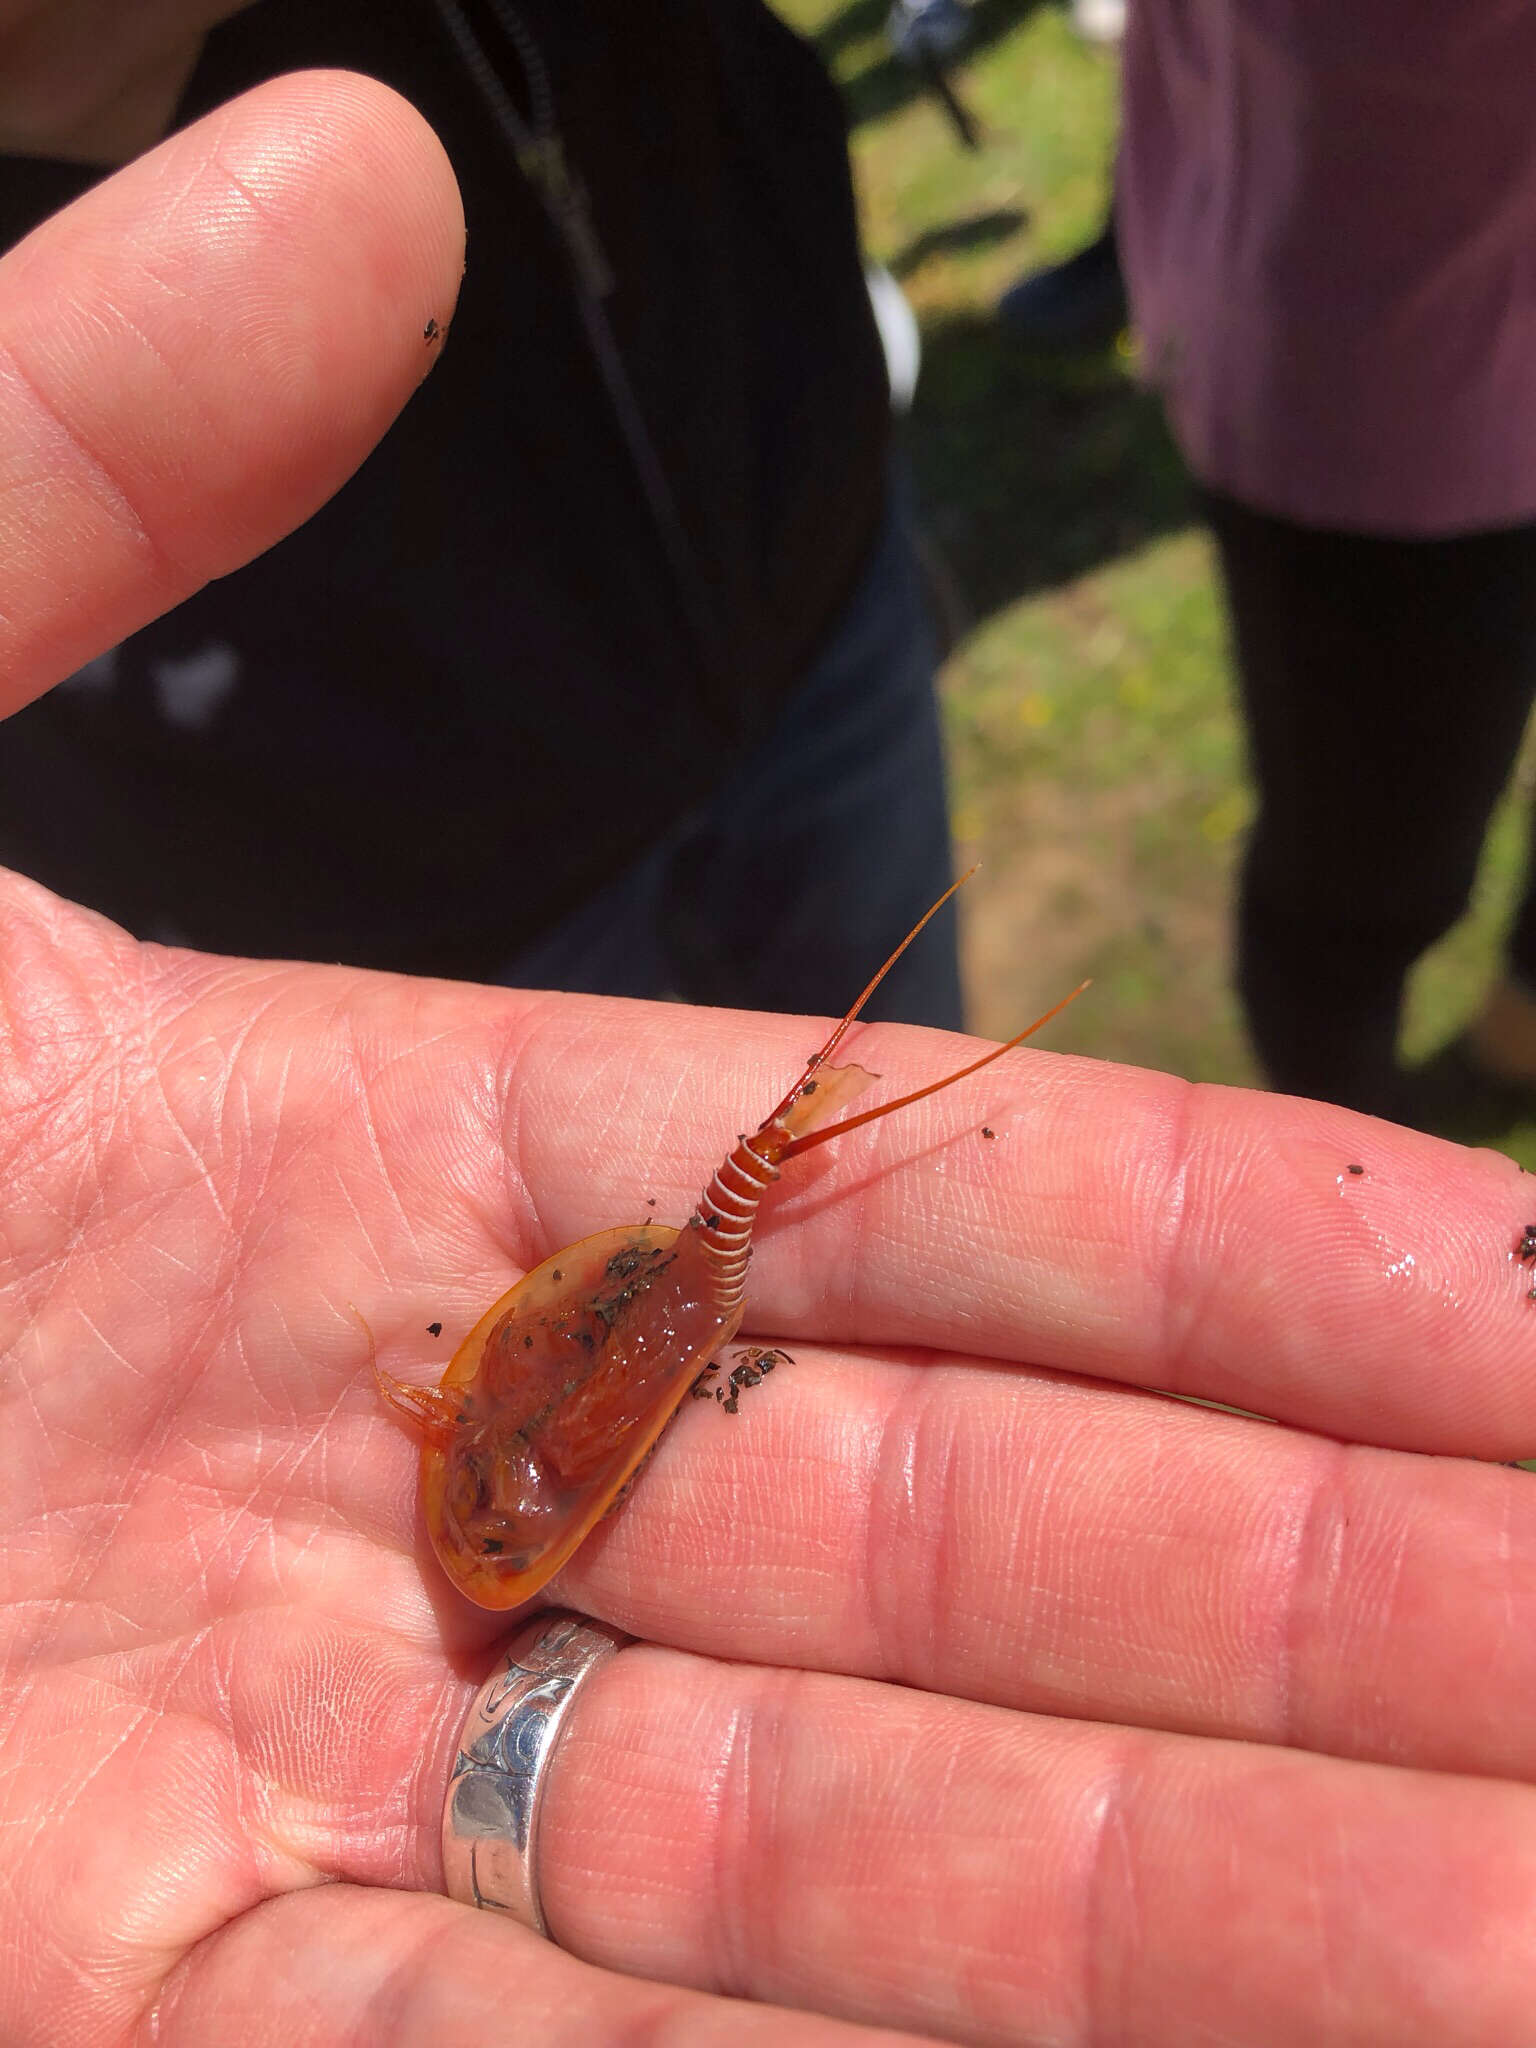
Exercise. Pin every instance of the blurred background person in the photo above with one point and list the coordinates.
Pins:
(1078, 303)
(1327, 217)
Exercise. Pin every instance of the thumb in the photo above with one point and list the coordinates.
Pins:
(198, 353)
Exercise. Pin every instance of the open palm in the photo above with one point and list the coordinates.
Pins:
(983, 1695)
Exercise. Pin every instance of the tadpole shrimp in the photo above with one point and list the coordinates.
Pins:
(559, 1393)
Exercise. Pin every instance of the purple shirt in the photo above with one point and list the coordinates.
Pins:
(1327, 216)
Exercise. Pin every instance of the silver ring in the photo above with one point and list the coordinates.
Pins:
(496, 1792)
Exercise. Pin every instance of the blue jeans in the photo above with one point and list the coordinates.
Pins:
(787, 888)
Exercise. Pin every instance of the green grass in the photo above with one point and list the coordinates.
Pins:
(1097, 761)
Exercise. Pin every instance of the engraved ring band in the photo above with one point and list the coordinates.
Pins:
(496, 1791)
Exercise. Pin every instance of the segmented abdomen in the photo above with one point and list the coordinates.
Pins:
(726, 1213)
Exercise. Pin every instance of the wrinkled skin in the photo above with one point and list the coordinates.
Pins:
(984, 1696)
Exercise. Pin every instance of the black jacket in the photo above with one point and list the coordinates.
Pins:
(493, 668)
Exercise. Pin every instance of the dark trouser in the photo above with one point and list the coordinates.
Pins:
(1386, 685)
(788, 886)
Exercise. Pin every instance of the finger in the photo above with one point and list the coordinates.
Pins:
(194, 356)
(1120, 1225)
(992, 1878)
(434, 1140)
(1071, 1548)
(393, 1970)
(1126, 1225)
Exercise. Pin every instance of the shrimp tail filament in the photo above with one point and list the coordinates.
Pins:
(840, 1031)
(727, 1210)
(812, 1139)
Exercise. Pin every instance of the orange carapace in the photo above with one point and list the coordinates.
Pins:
(560, 1391)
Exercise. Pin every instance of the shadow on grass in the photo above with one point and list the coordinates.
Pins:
(1032, 470)
(976, 231)
(887, 84)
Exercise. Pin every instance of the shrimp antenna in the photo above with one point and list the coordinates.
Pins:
(840, 1031)
(868, 1116)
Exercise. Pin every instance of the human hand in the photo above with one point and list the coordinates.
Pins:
(977, 1698)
